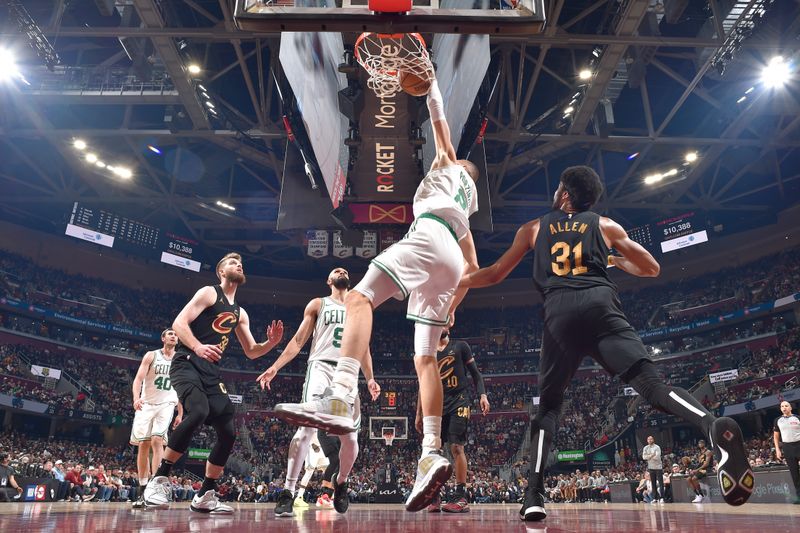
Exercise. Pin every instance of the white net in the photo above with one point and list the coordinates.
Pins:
(384, 56)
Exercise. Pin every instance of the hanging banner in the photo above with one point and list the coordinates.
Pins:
(389, 237)
(340, 250)
(44, 372)
(725, 375)
(369, 248)
(317, 243)
(236, 398)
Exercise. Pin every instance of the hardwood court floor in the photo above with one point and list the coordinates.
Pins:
(108, 517)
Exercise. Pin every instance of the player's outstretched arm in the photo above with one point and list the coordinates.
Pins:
(144, 366)
(467, 245)
(251, 348)
(203, 298)
(634, 259)
(492, 275)
(445, 152)
(295, 345)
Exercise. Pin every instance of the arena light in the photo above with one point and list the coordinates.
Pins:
(224, 205)
(569, 110)
(100, 164)
(690, 157)
(776, 73)
(210, 104)
(671, 172)
(8, 66)
(200, 85)
(122, 172)
(585, 74)
(91, 158)
(633, 156)
(153, 149)
(742, 99)
(653, 178)
(194, 68)
(79, 144)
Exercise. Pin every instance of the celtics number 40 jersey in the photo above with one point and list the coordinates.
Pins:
(157, 385)
(328, 331)
(449, 193)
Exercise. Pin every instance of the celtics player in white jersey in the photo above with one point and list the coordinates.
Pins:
(154, 401)
(424, 266)
(324, 319)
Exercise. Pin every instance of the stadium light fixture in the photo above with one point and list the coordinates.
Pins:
(224, 205)
(100, 164)
(154, 149)
(776, 73)
(123, 172)
(79, 144)
(194, 68)
(8, 67)
(690, 157)
(653, 178)
(569, 110)
(585, 74)
(91, 158)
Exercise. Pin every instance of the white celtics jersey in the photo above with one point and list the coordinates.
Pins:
(157, 385)
(328, 331)
(449, 193)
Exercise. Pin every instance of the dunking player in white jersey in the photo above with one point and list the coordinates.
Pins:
(324, 318)
(154, 403)
(424, 266)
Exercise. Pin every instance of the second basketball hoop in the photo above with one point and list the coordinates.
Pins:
(394, 60)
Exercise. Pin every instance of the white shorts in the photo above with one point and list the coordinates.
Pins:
(315, 458)
(319, 376)
(426, 266)
(151, 421)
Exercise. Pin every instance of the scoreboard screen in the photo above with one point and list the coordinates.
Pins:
(681, 231)
(389, 400)
(115, 231)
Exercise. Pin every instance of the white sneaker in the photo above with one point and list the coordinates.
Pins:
(433, 471)
(209, 503)
(698, 499)
(158, 493)
(328, 413)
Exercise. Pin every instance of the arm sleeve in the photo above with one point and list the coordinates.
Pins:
(472, 367)
(435, 102)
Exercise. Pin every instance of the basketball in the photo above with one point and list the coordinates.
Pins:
(414, 84)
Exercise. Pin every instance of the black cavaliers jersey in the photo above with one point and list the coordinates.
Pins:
(453, 371)
(570, 252)
(216, 323)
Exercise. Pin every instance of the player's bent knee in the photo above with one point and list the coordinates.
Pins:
(156, 441)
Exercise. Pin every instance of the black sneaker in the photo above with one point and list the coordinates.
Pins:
(138, 504)
(340, 499)
(533, 508)
(285, 503)
(735, 477)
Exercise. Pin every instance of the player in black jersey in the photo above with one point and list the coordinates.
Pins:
(455, 360)
(583, 316)
(204, 328)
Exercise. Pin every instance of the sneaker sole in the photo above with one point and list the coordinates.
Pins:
(463, 510)
(334, 425)
(155, 506)
(533, 513)
(423, 499)
(735, 477)
(284, 515)
(209, 511)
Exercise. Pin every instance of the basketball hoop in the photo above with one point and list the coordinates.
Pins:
(388, 437)
(384, 55)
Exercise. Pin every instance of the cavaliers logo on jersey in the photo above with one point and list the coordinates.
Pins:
(224, 322)
(446, 367)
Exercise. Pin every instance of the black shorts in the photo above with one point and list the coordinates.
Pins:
(454, 425)
(580, 323)
(186, 375)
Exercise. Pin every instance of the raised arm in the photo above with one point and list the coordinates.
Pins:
(492, 275)
(144, 366)
(445, 152)
(253, 349)
(633, 258)
(299, 340)
(203, 298)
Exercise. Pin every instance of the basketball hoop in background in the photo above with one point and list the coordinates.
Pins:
(384, 56)
(388, 436)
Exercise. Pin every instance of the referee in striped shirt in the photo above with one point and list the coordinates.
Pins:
(787, 432)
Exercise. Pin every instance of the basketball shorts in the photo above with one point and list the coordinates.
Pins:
(152, 420)
(319, 376)
(315, 458)
(188, 372)
(425, 266)
(580, 323)
(454, 426)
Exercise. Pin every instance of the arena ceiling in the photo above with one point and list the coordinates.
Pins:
(656, 91)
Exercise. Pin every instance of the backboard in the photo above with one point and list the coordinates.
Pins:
(380, 424)
(494, 17)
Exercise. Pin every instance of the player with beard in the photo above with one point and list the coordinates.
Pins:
(154, 400)
(455, 360)
(204, 328)
(324, 319)
(583, 316)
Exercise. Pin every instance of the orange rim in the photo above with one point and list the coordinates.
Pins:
(396, 36)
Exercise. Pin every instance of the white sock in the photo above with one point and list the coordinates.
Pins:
(143, 481)
(346, 377)
(432, 432)
(300, 492)
(290, 484)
